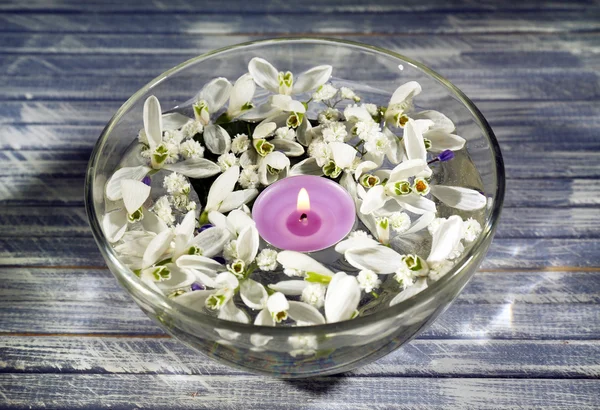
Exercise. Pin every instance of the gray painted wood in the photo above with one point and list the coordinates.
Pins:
(421, 358)
(86, 391)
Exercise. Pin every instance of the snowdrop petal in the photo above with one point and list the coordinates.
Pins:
(419, 286)
(395, 152)
(194, 300)
(157, 247)
(303, 312)
(311, 79)
(364, 167)
(421, 223)
(153, 121)
(261, 112)
(247, 244)
(207, 279)
(113, 186)
(153, 223)
(445, 239)
(264, 74)
(222, 187)
(289, 148)
(237, 199)
(174, 121)
(357, 242)
(342, 298)
(286, 103)
(264, 129)
(277, 302)
(253, 294)
(218, 220)
(442, 140)
(227, 280)
(216, 93)
(289, 287)
(407, 169)
(374, 199)
(413, 142)
(211, 241)
(459, 197)
(195, 168)
(343, 154)
(347, 182)
(229, 311)
(216, 139)
(237, 220)
(307, 166)
(440, 121)
(135, 194)
(416, 203)
(184, 233)
(114, 224)
(405, 92)
(379, 259)
(241, 93)
(198, 262)
(180, 278)
(304, 132)
(300, 261)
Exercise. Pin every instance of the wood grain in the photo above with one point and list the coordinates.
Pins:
(86, 391)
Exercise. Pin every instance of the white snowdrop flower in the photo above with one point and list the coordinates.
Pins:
(371, 109)
(324, 92)
(411, 267)
(472, 229)
(320, 151)
(314, 294)
(335, 132)
(368, 130)
(176, 184)
(226, 161)
(377, 143)
(368, 280)
(192, 128)
(303, 345)
(348, 94)
(278, 306)
(285, 133)
(173, 136)
(249, 178)
(291, 272)
(162, 209)
(439, 269)
(400, 221)
(240, 144)
(267, 260)
(230, 250)
(191, 149)
(433, 225)
(328, 115)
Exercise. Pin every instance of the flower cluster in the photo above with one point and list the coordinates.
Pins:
(207, 254)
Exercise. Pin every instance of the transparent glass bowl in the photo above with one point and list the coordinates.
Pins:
(339, 346)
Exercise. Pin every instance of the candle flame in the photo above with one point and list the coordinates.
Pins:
(303, 204)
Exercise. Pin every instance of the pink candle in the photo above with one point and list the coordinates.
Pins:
(306, 221)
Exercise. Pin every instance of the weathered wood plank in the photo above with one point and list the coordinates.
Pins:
(51, 221)
(253, 392)
(505, 253)
(498, 84)
(420, 358)
(345, 6)
(238, 23)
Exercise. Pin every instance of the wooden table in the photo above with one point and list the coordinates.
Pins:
(524, 333)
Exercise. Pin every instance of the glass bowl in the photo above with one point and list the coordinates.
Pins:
(322, 349)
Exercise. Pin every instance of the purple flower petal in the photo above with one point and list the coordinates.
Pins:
(220, 259)
(446, 155)
(147, 180)
(197, 286)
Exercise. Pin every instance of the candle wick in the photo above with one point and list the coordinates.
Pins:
(304, 218)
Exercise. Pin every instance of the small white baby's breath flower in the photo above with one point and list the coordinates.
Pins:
(400, 221)
(433, 225)
(371, 109)
(328, 115)
(285, 133)
(314, 294)
(437, 270)
(180, 202)
(230, 250)
(359, 234)
(334, 132)
(240, 144)
(324, 92)
(457, 251)
(320, 151)
(292, 273)
(191, 149)
(162, 209)
(173, 136)
(303, 345)
(471, 231)
(192, 128)
(172, 151)
(367, 131)
(405, 277)
(176, 184)
(249, 178)
(226, 161)
(191, 206)
(368, 280)
(267, 260)
(377, 143)
(348, 94)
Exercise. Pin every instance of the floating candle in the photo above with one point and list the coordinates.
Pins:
(304, 213)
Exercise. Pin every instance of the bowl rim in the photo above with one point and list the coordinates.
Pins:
(140, 290)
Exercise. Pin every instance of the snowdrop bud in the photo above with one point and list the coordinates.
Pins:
(263, 148)
(267, 260)
(471, 231)
(420, 186)
(278, 306)
(368, 280)
(201, 112)
(383, 230)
